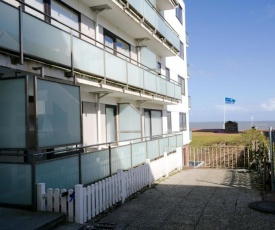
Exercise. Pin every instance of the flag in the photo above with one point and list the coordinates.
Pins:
(229, 100)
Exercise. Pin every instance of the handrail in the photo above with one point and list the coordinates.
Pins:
(80, 148)
(105, 48)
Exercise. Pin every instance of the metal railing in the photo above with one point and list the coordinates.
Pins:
(67, 167)
(24, 34)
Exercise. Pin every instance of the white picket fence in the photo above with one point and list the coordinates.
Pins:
(84, 203)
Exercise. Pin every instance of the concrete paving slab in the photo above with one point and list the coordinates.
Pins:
(194, 199)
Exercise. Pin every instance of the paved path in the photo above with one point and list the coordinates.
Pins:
(195, 199)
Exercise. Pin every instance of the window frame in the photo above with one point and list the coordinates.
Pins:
(181, 54)
(159, 68)
(182, 83)
(179, 13)
(115, 38)
(182, 122)
(167, 73)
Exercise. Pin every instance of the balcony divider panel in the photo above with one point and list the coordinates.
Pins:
(149, 13)
(9, 27)
(87, 57)
(170, 89)
(172, 143)
(179, 140)
(177, 90)
(161, 86)
(163, 145)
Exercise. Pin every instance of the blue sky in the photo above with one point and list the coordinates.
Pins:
(231, 54)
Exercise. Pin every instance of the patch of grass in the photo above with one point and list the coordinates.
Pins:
(211, 138)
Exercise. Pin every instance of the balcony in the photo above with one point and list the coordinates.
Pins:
(43, 42)
(154, 19)
(166, 4)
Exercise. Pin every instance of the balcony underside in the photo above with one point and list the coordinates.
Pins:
(133, 26)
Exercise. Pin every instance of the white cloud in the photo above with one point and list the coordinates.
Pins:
(270, 105)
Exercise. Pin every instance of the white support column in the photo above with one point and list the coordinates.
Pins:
(79, 215)
(41, 201)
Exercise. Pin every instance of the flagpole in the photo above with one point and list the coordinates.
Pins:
(224, 113)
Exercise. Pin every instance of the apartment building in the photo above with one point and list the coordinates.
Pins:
(93, 73)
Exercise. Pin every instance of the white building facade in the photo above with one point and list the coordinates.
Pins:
(94, 73)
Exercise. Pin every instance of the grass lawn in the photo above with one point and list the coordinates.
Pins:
(210, 138)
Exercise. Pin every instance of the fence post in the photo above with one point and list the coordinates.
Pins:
(122, 184)
(41, 202)
(79, 207)
(149, 174)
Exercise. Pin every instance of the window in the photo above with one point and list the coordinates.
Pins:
(152, 122)
(182, 121)
(159, 68)
(117, 46)
(64, 15)
(179, 13)
(37, 4)
(167, 74)
(169, 122)
(181, 50)
(181, 81)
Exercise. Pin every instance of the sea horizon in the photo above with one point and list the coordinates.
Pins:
(242, 125)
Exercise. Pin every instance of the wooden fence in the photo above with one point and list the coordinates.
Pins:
(220, 157)
(83, 203)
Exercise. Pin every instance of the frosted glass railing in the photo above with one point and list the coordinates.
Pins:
(178, 94)
(121, 158)
(138, 153)
(145, 9)
(153, 149)
(16, 184)
(150, 81)
(163, 143)
(136, 76)
(9, 27)
(179, 140)
(95, 166)
(87, 57)
(59, 173)
(115, 68)
(45, 41)
(161, 86)
(172, 143)
(170, 89)
(48, 42)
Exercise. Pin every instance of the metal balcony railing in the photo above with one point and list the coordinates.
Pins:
(29, 36)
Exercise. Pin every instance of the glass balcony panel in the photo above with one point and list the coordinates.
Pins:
(87, 57)
(153, 149)
(45, 41)
(149, 14)
(16, 184)
(170, 89)
(138, 153)
(161, 86)
(121, 158)
(150, 81)
(179, 140)
(128, 136)
(138, 5)
(178, 93)
(95, 166)
(115, 68)
(172, 143)
(9, 27)
(163, 145)
(13, 113)
(58, 173)
(135, 75)
(148, 58)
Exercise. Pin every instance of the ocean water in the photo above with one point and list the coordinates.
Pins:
(242, 125)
